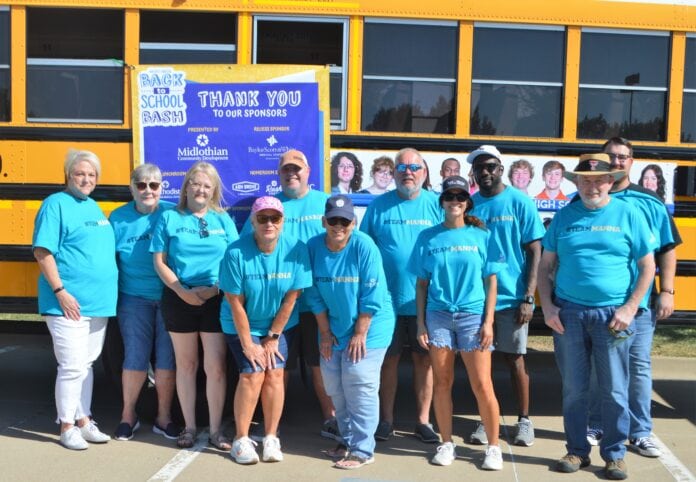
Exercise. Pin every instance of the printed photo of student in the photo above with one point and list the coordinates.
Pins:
(346, 173)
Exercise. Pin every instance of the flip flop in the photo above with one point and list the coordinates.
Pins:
(219, 441)
(352, 462)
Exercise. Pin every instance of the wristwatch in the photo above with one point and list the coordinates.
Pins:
(528, 299)
(270, 334)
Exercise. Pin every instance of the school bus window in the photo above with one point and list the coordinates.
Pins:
(517, 82)
(409, 76)
(307, 40)
(188, 38)
(4, 63)
(74, 65)
(623, 84)
(688, 133)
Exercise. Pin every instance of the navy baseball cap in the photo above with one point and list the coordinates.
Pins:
(339, 206)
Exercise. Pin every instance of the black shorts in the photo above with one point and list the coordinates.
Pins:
(180, 317)
(305, 341)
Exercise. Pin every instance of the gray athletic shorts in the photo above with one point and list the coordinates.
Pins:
(510, 337)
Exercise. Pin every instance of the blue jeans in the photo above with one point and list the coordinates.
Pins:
(640, 379)
(354, 391)
(142, 329)
(588, 340)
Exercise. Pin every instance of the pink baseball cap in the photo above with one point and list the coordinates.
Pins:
(267, 202)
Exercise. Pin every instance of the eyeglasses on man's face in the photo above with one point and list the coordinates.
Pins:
(487, 166)
(620, 157)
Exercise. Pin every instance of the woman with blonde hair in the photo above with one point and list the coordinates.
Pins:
(74, 245)
(188, 245)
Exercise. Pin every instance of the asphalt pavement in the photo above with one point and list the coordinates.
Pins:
(29, 448)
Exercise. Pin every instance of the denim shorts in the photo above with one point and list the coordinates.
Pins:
(243, 362)
(456, 331)
(142, 330)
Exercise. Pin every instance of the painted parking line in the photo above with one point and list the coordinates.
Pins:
(181, 460)
(678, 470)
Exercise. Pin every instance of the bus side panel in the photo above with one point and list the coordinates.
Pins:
(18, 278)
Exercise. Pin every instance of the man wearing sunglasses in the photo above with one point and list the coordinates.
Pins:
(515, 226)
(394, 220)
(303, 211)
(620, 152)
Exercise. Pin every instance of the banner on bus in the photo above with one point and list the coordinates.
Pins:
(238, 118)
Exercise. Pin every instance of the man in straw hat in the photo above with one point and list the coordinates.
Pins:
(593, 244)
(656, 216)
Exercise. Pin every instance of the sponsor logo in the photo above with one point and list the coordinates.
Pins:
(202, 140)
(272, 141)
(273, 188)
(245, 187)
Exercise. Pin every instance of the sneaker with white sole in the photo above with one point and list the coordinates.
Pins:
(478, 436)
(91, 433)
(244, 451)
(271, 449)
(525, 433)
(72, 439)
(494, 458)
(445, 454)
(645, 446)
(329, 429)
(594, 435)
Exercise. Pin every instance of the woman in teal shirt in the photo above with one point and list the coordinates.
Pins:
(356, 323)
(262, 275)
(188, 245)
(457, 283)
(74, 246)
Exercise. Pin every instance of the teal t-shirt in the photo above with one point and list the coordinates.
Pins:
(596, 250)
(350, 282)
(302, 221)
(133, 231)
(194, 258)
(81, 240)
(394, 224)
(455, 261)
(264, 280)
(513, 221)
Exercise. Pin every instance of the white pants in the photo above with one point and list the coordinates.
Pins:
(76, 344)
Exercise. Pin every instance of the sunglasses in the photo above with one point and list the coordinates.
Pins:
(203, 228)
(450, 196)
(342, 221)
(412, 167)
(273, 218)
(141, 186)
(490, 167)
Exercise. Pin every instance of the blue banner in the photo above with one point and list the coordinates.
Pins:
(241, 128)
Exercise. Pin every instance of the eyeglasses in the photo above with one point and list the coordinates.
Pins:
(342, 221)
(203, 228)
(290, 168)
(411, 167)
(383, 172)
(620, 157)
(198, 185)
(451, 196)
(141, 186)
(489, 166)
(273, 218)
(346, 166)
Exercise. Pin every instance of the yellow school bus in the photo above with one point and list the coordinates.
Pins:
(535, 78)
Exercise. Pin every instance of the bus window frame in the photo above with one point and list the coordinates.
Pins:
(5, 69)
(626, 87)
(336, 124)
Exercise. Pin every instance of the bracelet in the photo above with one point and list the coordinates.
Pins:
(58, 290)
(671, 292)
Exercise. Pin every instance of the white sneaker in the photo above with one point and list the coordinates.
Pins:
(645, 446)
(244, 451)
(494, 458)
(72, 439)
(271, 449)
(91, 433)
(445, 454)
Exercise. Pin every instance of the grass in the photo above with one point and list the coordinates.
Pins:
(669, 340)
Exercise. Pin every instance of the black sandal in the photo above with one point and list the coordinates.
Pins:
(187, 438)
(337, 453)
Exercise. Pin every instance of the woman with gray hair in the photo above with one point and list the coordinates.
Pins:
(74, 246)
(139, 310)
